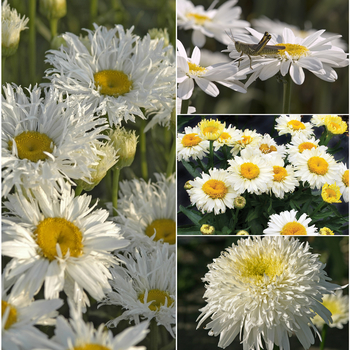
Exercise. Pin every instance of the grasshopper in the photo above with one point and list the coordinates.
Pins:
(259, 49)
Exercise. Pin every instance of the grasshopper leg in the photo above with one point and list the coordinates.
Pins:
(239, 61)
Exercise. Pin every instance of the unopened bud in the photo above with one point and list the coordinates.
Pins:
(239, 202)
(207, 229)
(242, 233)
(53, 9)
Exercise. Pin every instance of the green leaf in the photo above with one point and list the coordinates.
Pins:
(191, 168)
(194, 216)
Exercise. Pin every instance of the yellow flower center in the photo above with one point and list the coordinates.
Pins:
(293, 229)
(250, 171)
(190, 140)
(345, 178)
(265, 148)
(331, 193)
(165, 229)
(31, 145)
(294, 51)
(325, 231)
(305, 145)
(215, 189)
(157, 297)
(52, 231)
(113, 82)
(254, 268)
(91, 347)
(195, 69)
(245, 140)
(198, 19)
(225, 136)
(317, 165)
(12, 317)
(210, 130)
(296, 125)
(280, 173)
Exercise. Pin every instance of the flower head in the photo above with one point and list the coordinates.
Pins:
(331, 193)
(293, 125)
(325, 231)
(265, 288)
(342, 181)
(335, 124)
(211, 129)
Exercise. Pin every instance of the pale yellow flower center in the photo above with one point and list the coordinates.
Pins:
(51, 231)
(305, 145)
(157, 297)
(318, 165)
(164, 228)
(296, 125)
(295, 51)
(245, 140)
(12, 317)
(91, 347)
(225, 136)
(31, 145)
(113, 82)
(195, 69)
(293, 229)
(250, 171)
(333, 306)
(345, 178)
(190, 140)
(198, 19)
(280, 173)
(265, 148)
(215, 189)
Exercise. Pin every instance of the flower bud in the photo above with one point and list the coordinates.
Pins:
(53, 9)
(242, 233)
(207, 229)
(239, 202)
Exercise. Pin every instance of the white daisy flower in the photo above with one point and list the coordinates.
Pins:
(211, 22)
(61, 243)
(120, 72)
(228, 137)
(317, 167)
(247, 137)
(284, 180)
(313, 53)
(212, 192)
(342, 181)
(253, 174)
(76, 334)
(11, 26)
(45, 140)
(317, 120)
(265, 288)
(300, 143)
(191, 145)
(19, 315)
(146, 211)
(293, 125)
(286, 224)
(189, 70)
(338, 305)
(145, 287)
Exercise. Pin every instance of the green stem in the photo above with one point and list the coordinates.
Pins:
(171, 160)
(115, 189)
(184, 106)
(93, 11)
(287, 93)
(3, 59)
(201, 164)
(53, 27)
(318, 208)
(211, 154)
(323, 335)
(153, 334)
(32, 40)
(143, 154)
(78, 190)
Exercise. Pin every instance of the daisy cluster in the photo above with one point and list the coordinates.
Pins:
(288, 54)
(244, 180)
(62, 249)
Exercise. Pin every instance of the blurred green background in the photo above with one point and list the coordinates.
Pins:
(314, 95)
(195, 253)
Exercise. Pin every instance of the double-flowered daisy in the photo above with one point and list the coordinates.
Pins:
(212, 192)
(287, 224)
(145, 287)
(331, 193)
(250, 173)
(265, 289)
(60, 243)
(122, 73)
(211, 22)
(211, 129)
(146, 211)
(314, 53)
(316, 167)
(342, 181)
(228, 138)
(293, 125)
(19, 315)
(78, 335)
(338, 305)
(45, 140)
(190, 71)
(247, 138)
(191, 145)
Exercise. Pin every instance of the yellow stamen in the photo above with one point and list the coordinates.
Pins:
(190, 140)
(31, 145)
(294, 51)
(224, 136)
(164, 228)
(293, 229)
(91, 347)
(318, 165)
(195, 69)
(245, 140)
(113, 82)
(250, 171)
(296, 125)
(198, 19)
(265, 148)
(12, 317)
(158, 298)
(345, 178)
(305, 145)
(215, 189)
(280, 173)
